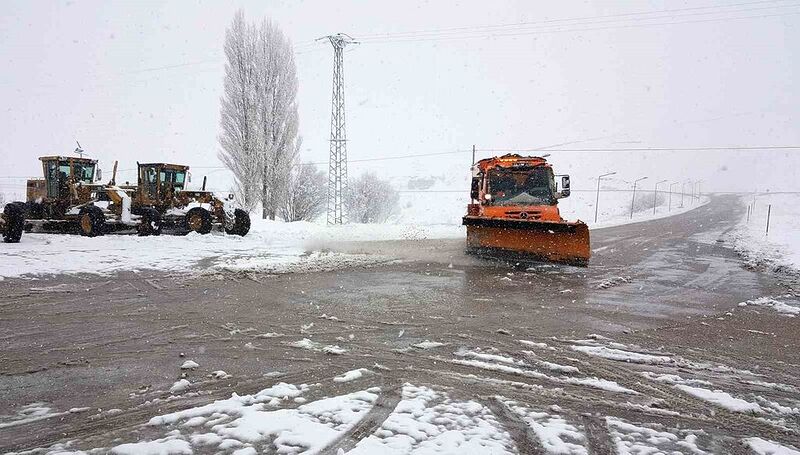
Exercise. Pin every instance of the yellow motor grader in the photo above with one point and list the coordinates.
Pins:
(70, 199)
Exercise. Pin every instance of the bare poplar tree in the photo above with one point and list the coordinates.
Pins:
(306, 194)
(239, 137)
(370, 199)
(259, 113)
(278, 118)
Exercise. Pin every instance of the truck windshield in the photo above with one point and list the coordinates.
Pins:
(531, 186)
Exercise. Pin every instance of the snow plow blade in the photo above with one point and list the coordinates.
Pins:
(528, 240)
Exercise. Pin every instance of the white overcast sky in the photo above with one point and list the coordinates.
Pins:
(141, 80)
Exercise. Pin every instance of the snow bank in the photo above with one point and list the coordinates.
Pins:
(782, 307)
(270, 247)
(778, 250)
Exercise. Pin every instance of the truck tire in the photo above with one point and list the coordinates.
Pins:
(198, 220)
(91, 221)
(241, 223)
(150, 222)
(14, 216)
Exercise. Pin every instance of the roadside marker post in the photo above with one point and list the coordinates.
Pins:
(769, 209)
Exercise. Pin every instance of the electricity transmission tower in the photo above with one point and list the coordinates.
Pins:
(337, 163)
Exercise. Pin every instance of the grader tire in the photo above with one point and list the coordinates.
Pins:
(198, 220)
(91, 221)
(14, 216)
(150, 222)
(241, 223)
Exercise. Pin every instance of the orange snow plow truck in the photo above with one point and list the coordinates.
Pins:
(514, 213)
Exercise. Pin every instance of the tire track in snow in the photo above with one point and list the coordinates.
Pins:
(522, 434)
(380, 411)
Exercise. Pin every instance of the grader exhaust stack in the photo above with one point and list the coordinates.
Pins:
(514, 213)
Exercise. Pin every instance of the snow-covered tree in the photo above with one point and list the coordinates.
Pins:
(259, 117)
(370, 199)
(239, 137)
(306, 194)
(277, 113)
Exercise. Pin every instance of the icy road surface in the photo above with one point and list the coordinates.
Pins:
(665, 344)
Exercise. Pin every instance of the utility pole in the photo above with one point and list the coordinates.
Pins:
(597, 200)
(337, 163)
(633, 200)
(655, 194)
(669, 209)
(683, 190)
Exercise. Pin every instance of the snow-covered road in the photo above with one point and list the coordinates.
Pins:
(665, 344)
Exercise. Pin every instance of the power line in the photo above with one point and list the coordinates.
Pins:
(517, 24)
(544, 32)
(645, 149)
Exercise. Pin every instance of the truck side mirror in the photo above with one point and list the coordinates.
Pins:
(564, 186)
(99, 174)
(475, 191)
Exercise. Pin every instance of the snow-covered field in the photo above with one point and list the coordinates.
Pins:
(778, 249)
(278, 247)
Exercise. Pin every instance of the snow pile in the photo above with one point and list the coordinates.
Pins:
(246, 423)
(784, 308)
(764, 447)
(180, 386)
(171, 444)
(555, 434)
(305, 343)
(623, 355)
(778, 250)
(427, 344)
(352, 375)
(427, 421)
(34, 412)
(721, 399)
(516, 367)
(634, 439)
